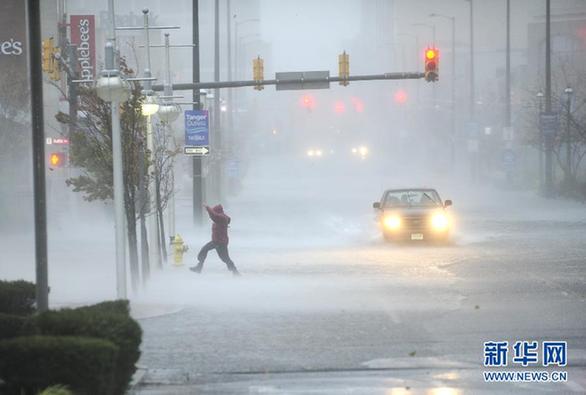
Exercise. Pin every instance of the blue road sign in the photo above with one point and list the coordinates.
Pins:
(549, 123)
(197, 131)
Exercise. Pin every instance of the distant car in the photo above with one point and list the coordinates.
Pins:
(413, 214)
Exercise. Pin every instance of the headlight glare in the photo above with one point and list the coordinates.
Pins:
(392, 222)
(440, 221)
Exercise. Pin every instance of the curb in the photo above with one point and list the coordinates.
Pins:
(143, 312)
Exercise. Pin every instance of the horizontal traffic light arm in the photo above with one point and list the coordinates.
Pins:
(240, 84)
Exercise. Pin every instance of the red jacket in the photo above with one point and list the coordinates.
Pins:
(220, 225)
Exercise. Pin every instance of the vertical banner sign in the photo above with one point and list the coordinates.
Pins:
(197, 139)
(13, 60)
(15, 131)
(83, 35)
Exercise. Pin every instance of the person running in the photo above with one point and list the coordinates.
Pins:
(219, 240)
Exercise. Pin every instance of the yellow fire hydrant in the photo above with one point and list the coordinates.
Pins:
(179, 248)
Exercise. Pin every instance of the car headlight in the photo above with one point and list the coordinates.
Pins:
(392, 222)
(440, 221)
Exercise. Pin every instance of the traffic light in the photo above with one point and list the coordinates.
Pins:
(55, 73)
(431, 64)
(307, 101)
(344, 68)
(339, 107)
(56, 160)
(258, 72)
(400, 97)
(48, 50)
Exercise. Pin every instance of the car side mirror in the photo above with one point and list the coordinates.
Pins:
(448, 203)
(376, 205)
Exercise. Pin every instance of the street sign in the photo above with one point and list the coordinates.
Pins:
(57, 141)
(199, 151)
(290, 80)
(549, 123)
(197, 139)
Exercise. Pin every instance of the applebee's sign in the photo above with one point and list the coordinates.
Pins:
(83, 35)
(10, 47)
(13, 43)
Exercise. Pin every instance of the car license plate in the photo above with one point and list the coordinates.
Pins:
(416, 236)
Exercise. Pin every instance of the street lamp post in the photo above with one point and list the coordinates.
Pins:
(431, 27)
(112, 88)
(548, 108)
(472, 93)
(540, 96)
(569, 92)
(150, 107)
(452, 19)
(417, 55)
(433, 88)
(168, 113)
(237, 25)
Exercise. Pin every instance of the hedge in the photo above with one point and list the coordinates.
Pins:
(11, 325)
(111, 306)
(17, 297)
(32, 363)
(100, 322)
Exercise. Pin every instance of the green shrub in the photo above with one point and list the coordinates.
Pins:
(97, 321)
(56, 390)
(11, 325)
(32, 363)
(111, 306)
(17, 297)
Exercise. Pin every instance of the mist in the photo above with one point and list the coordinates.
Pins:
(298, 172)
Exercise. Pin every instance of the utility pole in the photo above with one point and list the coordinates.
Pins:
(216, 120)
(230, 113)
(196, 161)
(472, 93)
(540, 99)
(473, 137)
(548, 136)
(569, 178)
(508, 69)
(118, 176)
(154, 242)
(509, 136)
(38, 141)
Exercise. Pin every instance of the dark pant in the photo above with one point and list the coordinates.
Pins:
(221, 249)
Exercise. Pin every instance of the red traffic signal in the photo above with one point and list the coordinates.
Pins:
(431, 64)
(56, 159)
(307, 101)
(400, 96)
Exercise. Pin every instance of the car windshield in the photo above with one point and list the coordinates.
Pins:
(412, 198)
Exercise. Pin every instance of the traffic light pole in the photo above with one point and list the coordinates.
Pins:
(197, 168)
(37, 123)
(294, 81)
(548, 136)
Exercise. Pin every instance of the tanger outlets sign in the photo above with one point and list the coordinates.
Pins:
(83, 35)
